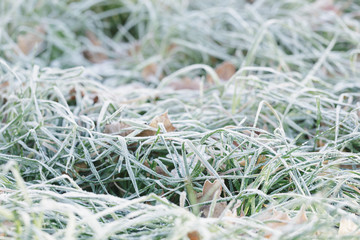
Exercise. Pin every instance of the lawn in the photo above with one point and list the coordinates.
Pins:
(178, 119)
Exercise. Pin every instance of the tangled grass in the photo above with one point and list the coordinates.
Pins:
(281, 134)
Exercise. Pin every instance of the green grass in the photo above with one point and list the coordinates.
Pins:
(293, 103)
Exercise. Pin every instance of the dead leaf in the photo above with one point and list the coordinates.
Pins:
(80, 167)
(194, 235)
(225, 71)
(280, 220)
(26, 42)
(118, 128)
(301, 216)
(186, 83)
(211, 191)
(261, 159)
(151, 71)
(91, 54)
(326, 5)
(4, 85)
(134, 49)
(157, 169)
(347, 227)
(164, 119)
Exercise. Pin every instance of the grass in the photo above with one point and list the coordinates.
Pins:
(281, 134)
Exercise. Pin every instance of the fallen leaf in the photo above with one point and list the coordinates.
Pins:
(326, 5)
(225, 71)
(157, 169)
(134, 49)
(261, 159)
(118, 128)
(211, 191)
(151, 71)
(347, 227)
(301, 216)
(281, 220)
(164, 119)
(81, 167)
(91, 54)
(26, 42)
(194, 235)
(185, 83)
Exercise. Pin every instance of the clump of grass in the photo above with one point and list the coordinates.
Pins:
(281, 133)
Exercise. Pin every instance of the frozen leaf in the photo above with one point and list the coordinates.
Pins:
(164, 119)
(119, 128)
(347, 227)
(28, 41)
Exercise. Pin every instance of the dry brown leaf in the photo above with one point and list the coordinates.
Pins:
(164, 119)
(185, 83)
(81, 167)
(261, 159)
(158, 169)
(194, 235)
(347, 226)
(280, 220)
(211, 191)
(4, 85)
(26, 42)
(119, 128)
(94, 56)
(327, 5)
(151, 71)
(301, 217)
(225, 71)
